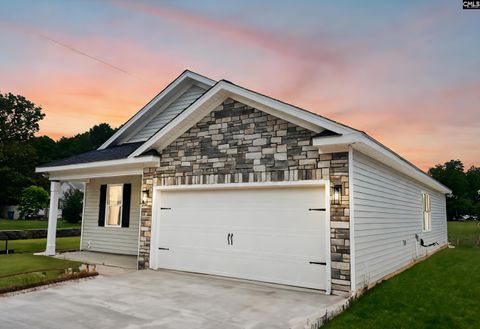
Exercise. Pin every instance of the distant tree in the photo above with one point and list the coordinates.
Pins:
(19, 118)
(473, 178)
(32, 200)
(45, 148)
(463, 200)
(72, 206)
(99, 134)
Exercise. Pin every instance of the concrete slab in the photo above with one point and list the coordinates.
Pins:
(164, 299)
(101, 258)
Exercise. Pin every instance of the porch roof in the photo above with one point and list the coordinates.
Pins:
(110, 153)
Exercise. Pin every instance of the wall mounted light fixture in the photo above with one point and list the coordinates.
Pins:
(337, 194)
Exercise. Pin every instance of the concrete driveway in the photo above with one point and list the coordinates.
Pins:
(163, 299)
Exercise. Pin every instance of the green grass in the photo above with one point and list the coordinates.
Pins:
(36, 245)
(26, 269)
(464, 233)
(31, 224)
(440, 292)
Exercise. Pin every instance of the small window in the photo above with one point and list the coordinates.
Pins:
(427, 212)
(113, 213)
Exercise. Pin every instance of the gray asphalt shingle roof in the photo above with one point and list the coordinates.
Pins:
(110, 153)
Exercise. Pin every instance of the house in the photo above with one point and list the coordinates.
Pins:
(211, 177)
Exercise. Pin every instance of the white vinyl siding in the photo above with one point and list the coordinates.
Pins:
(118, 240)
(388, 213)
(165, 116)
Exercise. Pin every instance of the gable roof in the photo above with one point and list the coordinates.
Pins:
(168, 95)
(225, 89)
(329, 132)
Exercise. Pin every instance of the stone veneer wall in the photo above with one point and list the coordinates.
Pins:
(236, 143)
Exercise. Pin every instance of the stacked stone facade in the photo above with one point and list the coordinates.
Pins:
(237, 144)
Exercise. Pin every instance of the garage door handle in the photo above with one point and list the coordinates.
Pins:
(230, 239)
(316, 209)
(161, 248)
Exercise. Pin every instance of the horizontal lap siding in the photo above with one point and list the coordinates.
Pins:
(387, 211)
(118, 240)
(164, 117)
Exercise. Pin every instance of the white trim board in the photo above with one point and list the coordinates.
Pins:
(351, 227)
(284, 184)
(147, 161)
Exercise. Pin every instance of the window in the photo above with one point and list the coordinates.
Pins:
(427, 209)
(113, 214)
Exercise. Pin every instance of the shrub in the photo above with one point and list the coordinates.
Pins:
(72, 206)
(32, 200)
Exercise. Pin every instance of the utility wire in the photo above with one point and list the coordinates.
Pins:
(101, 61)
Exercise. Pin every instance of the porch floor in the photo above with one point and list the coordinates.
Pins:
(101, 258)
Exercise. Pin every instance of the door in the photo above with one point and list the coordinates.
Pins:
(274, 235)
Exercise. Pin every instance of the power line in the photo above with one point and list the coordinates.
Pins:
(101, 61)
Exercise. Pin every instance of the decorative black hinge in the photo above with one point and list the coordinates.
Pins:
(161, 248)
(318, 263)
(163, 208)
(317, 209)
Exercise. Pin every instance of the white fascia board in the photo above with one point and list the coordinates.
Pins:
(286, 109)
(367, 145)
(187, 75)
(255, 185)
(144, 161)
(223, 90)
(87, 176)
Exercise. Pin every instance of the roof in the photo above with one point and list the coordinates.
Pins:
(111, 153)
(329, 132)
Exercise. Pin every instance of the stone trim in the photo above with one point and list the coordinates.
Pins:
(235, 144)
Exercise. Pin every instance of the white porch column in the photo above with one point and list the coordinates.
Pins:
(52, 218)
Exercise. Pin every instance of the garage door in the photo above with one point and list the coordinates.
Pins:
(274, 235)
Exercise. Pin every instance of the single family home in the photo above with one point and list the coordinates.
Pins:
(211, 177)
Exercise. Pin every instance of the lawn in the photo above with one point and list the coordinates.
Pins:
(440, 292)
(28, 270)
(36, 245)
(31, 224)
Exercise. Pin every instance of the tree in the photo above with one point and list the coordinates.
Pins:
(32, 200)
(72, 206)
(100, 134)
(45, 149)
(19, 118)
(473, 178)
(464, 199)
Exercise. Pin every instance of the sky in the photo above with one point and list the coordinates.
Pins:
(405, 72)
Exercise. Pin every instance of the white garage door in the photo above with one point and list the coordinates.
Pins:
(271, 234)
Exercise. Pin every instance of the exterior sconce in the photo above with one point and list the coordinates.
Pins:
(337, 194)
(145, 195)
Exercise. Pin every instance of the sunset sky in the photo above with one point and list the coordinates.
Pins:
(406, 72)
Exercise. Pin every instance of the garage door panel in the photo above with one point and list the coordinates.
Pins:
(275, 236)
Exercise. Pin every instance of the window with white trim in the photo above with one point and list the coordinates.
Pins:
(113, 213)
(427, 212)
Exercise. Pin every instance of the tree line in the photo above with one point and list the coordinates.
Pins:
(21, 151)
(465, 185)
